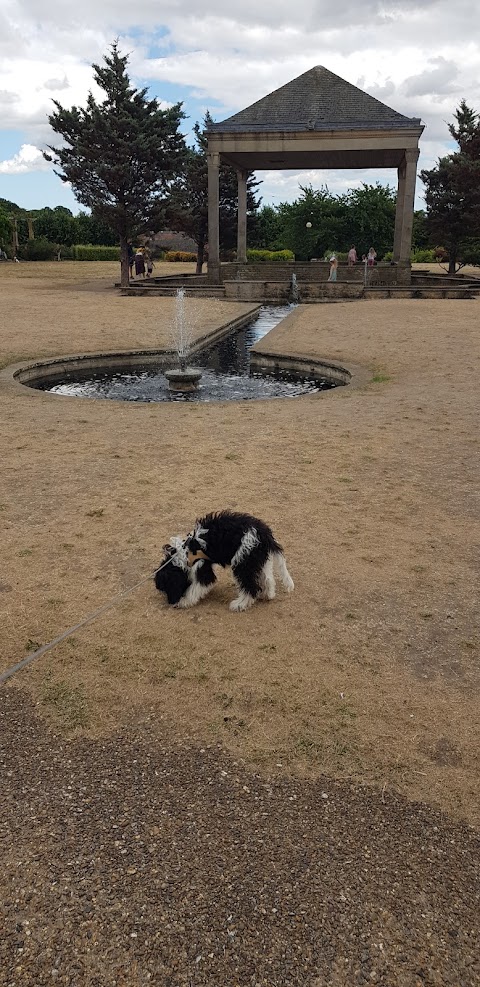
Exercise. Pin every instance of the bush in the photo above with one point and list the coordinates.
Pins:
(182, 256)
(341, 257)
(266, 256)
(88, 252)
(423, 257)
(388, 257)
(38, 249)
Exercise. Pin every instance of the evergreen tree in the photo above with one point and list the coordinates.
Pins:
(188, 208)
(467, 131)
(121, 155)
(452, 190)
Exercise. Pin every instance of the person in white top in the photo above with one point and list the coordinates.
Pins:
(333, 268)
(371, 256)
(352, 256)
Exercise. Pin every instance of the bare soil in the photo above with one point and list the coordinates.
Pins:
(370, 671)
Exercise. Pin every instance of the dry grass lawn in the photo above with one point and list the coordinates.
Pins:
(370, 670)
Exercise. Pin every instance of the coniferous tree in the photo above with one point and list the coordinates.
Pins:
(452, 190)
(121, 155)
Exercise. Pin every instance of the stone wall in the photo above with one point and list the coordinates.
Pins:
(315, 271)
(279, 292)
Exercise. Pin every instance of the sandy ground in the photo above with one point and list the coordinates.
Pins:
(370, 670)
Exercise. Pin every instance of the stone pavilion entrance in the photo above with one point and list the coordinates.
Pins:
(316, 121)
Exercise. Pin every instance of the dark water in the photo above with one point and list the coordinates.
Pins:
(226, 374)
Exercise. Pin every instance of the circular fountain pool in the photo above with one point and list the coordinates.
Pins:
(227, 373)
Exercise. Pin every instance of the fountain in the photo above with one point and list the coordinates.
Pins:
(294, 292)
(228, 368)
(182, 378)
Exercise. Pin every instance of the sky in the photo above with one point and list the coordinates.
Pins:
(420, 57)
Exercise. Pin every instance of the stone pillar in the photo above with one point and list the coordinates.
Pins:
(242, 218)
(399, 211)
(407, 175)
(213, 217)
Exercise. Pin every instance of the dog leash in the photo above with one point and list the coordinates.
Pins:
(83, 623)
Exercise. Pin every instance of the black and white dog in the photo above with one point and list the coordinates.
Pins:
(228, 539)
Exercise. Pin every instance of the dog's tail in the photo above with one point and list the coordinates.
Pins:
(283, 573)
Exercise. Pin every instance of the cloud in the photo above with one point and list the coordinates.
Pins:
(29, 158)
(7, 97)
(420, 58)
(433, 81)
(56, 85)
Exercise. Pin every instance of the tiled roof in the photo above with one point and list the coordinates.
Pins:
(316, 100)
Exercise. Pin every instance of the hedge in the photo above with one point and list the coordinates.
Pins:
(180, 255)
(88, 252)
(42, 249)
(264, 256)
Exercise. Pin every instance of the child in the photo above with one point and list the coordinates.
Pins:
(333, 268)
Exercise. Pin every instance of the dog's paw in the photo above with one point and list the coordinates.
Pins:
(289, 585)
(266, 594)
(243, 602)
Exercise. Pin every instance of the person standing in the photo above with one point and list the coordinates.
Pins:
(333, 268)
(139, 263)
(147, 253)
(131, 257)
(371, 257)
(352, 256)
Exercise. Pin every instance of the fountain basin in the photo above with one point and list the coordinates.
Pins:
(226, 370)
(183, 380)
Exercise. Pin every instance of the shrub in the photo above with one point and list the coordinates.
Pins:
(38, 249)
(266, 256)
(388, 257)
(179, 255)
(423, 256)
(88, 252)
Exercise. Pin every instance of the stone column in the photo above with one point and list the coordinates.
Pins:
(399, 211)
(213, 217)
(242, 218)
(411, 158)
(407, 175)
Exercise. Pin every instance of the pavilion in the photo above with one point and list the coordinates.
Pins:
(317, 120)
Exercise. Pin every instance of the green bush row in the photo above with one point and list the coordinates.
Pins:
(179, 255)
(87, 252)
(263, 256)
(43, 249)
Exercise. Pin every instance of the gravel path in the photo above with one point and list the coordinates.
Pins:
(129, 861)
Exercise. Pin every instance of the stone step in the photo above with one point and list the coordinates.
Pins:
(207, 291)
(420, 292)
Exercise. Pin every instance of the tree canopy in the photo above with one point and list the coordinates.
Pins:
(120, 155)
(319, 222)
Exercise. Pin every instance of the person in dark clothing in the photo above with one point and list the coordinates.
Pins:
(131, 257)
(139, 263)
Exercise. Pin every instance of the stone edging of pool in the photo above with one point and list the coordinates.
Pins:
(15, 378)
